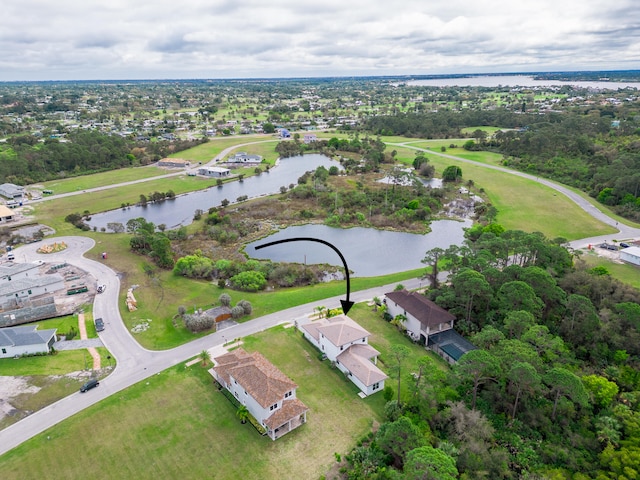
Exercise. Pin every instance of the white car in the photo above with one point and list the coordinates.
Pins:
(101, 288)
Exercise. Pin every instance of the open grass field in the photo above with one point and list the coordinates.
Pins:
(625, 272)
(177, 425)
(85, 182)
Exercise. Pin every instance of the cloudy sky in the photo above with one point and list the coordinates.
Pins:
(138, 39)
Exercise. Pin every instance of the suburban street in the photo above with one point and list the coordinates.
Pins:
(134, 363)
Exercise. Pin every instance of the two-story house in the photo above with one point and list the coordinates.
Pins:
(345, 342)
(423, 317)
(268, 394)
(428, 324)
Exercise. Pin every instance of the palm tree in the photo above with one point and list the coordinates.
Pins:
(243, 414)
(205, 356)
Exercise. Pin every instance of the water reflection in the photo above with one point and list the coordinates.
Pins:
(368, 252)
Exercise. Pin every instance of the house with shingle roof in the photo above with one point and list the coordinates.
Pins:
(268, 394)
(424, 317)
(428, 323)
(26, 340)
(345, 342)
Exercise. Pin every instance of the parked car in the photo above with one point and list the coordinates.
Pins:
(99, 324)
(101, 288)
(89, 385)
(608, 246)
(624, 245)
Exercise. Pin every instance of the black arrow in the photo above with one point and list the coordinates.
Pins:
(346, 304)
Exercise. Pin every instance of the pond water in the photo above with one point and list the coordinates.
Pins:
(179, 211)
(368, 252)
(518, 81)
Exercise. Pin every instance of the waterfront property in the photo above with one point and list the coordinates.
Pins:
(345, 343)
(267, 393)
(214, 172)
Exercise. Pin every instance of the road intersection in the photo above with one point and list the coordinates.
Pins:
(135, 363)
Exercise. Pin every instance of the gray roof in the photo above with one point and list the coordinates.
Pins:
(9, 288)
(11, 189)
(26, 335)
(10, 269)
(632, 251)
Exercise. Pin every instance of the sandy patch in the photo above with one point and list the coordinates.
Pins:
(11, 387)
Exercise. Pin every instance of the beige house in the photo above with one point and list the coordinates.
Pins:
(345, 342)
(268, 394)
(6, 215)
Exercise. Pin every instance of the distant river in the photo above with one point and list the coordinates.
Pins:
(516, 81)
(179, 211)
(368, 252)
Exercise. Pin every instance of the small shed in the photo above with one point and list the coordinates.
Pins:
(630, 255)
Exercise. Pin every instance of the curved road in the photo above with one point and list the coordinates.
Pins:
(134, 363)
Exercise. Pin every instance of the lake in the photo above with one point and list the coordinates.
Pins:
(515, 81)
(368, 252)
(179, 211)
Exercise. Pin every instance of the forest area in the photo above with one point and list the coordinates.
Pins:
(551, 392)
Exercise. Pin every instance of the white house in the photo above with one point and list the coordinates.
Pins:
(26, 340)
(345, 342)
(631, 255)
(244, 157)
(268, 394)
(14, 291)
(214, 172)
(11, 191)
(423, 317)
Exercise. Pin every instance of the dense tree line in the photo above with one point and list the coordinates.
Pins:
(553, 389)
(576, 147)
(24, 159)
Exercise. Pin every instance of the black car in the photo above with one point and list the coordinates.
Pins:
(608, 246)
(624, 245)
(99, 325)
(89, 385)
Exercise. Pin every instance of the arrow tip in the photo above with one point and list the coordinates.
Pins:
(346, 306)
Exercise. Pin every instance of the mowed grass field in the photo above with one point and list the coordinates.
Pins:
(177, 425)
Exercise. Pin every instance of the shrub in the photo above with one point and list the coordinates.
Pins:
(237, 312)
(249, 281)
(246, 306)
(198, 323)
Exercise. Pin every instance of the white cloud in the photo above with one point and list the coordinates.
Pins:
(68, 39)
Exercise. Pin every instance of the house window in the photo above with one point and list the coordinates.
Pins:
(4, 350)
(376, 386)
(341, 347)
(287, 395)
(273, 407)
(234, 381)
(29, 292)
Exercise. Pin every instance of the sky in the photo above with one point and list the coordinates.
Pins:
(184, 39)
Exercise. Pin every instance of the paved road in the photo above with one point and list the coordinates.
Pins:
(212, 162)
(625, 232)
(135, 363)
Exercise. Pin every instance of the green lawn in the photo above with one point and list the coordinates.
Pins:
(625, 272)
(85, 182)
(177, 425)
